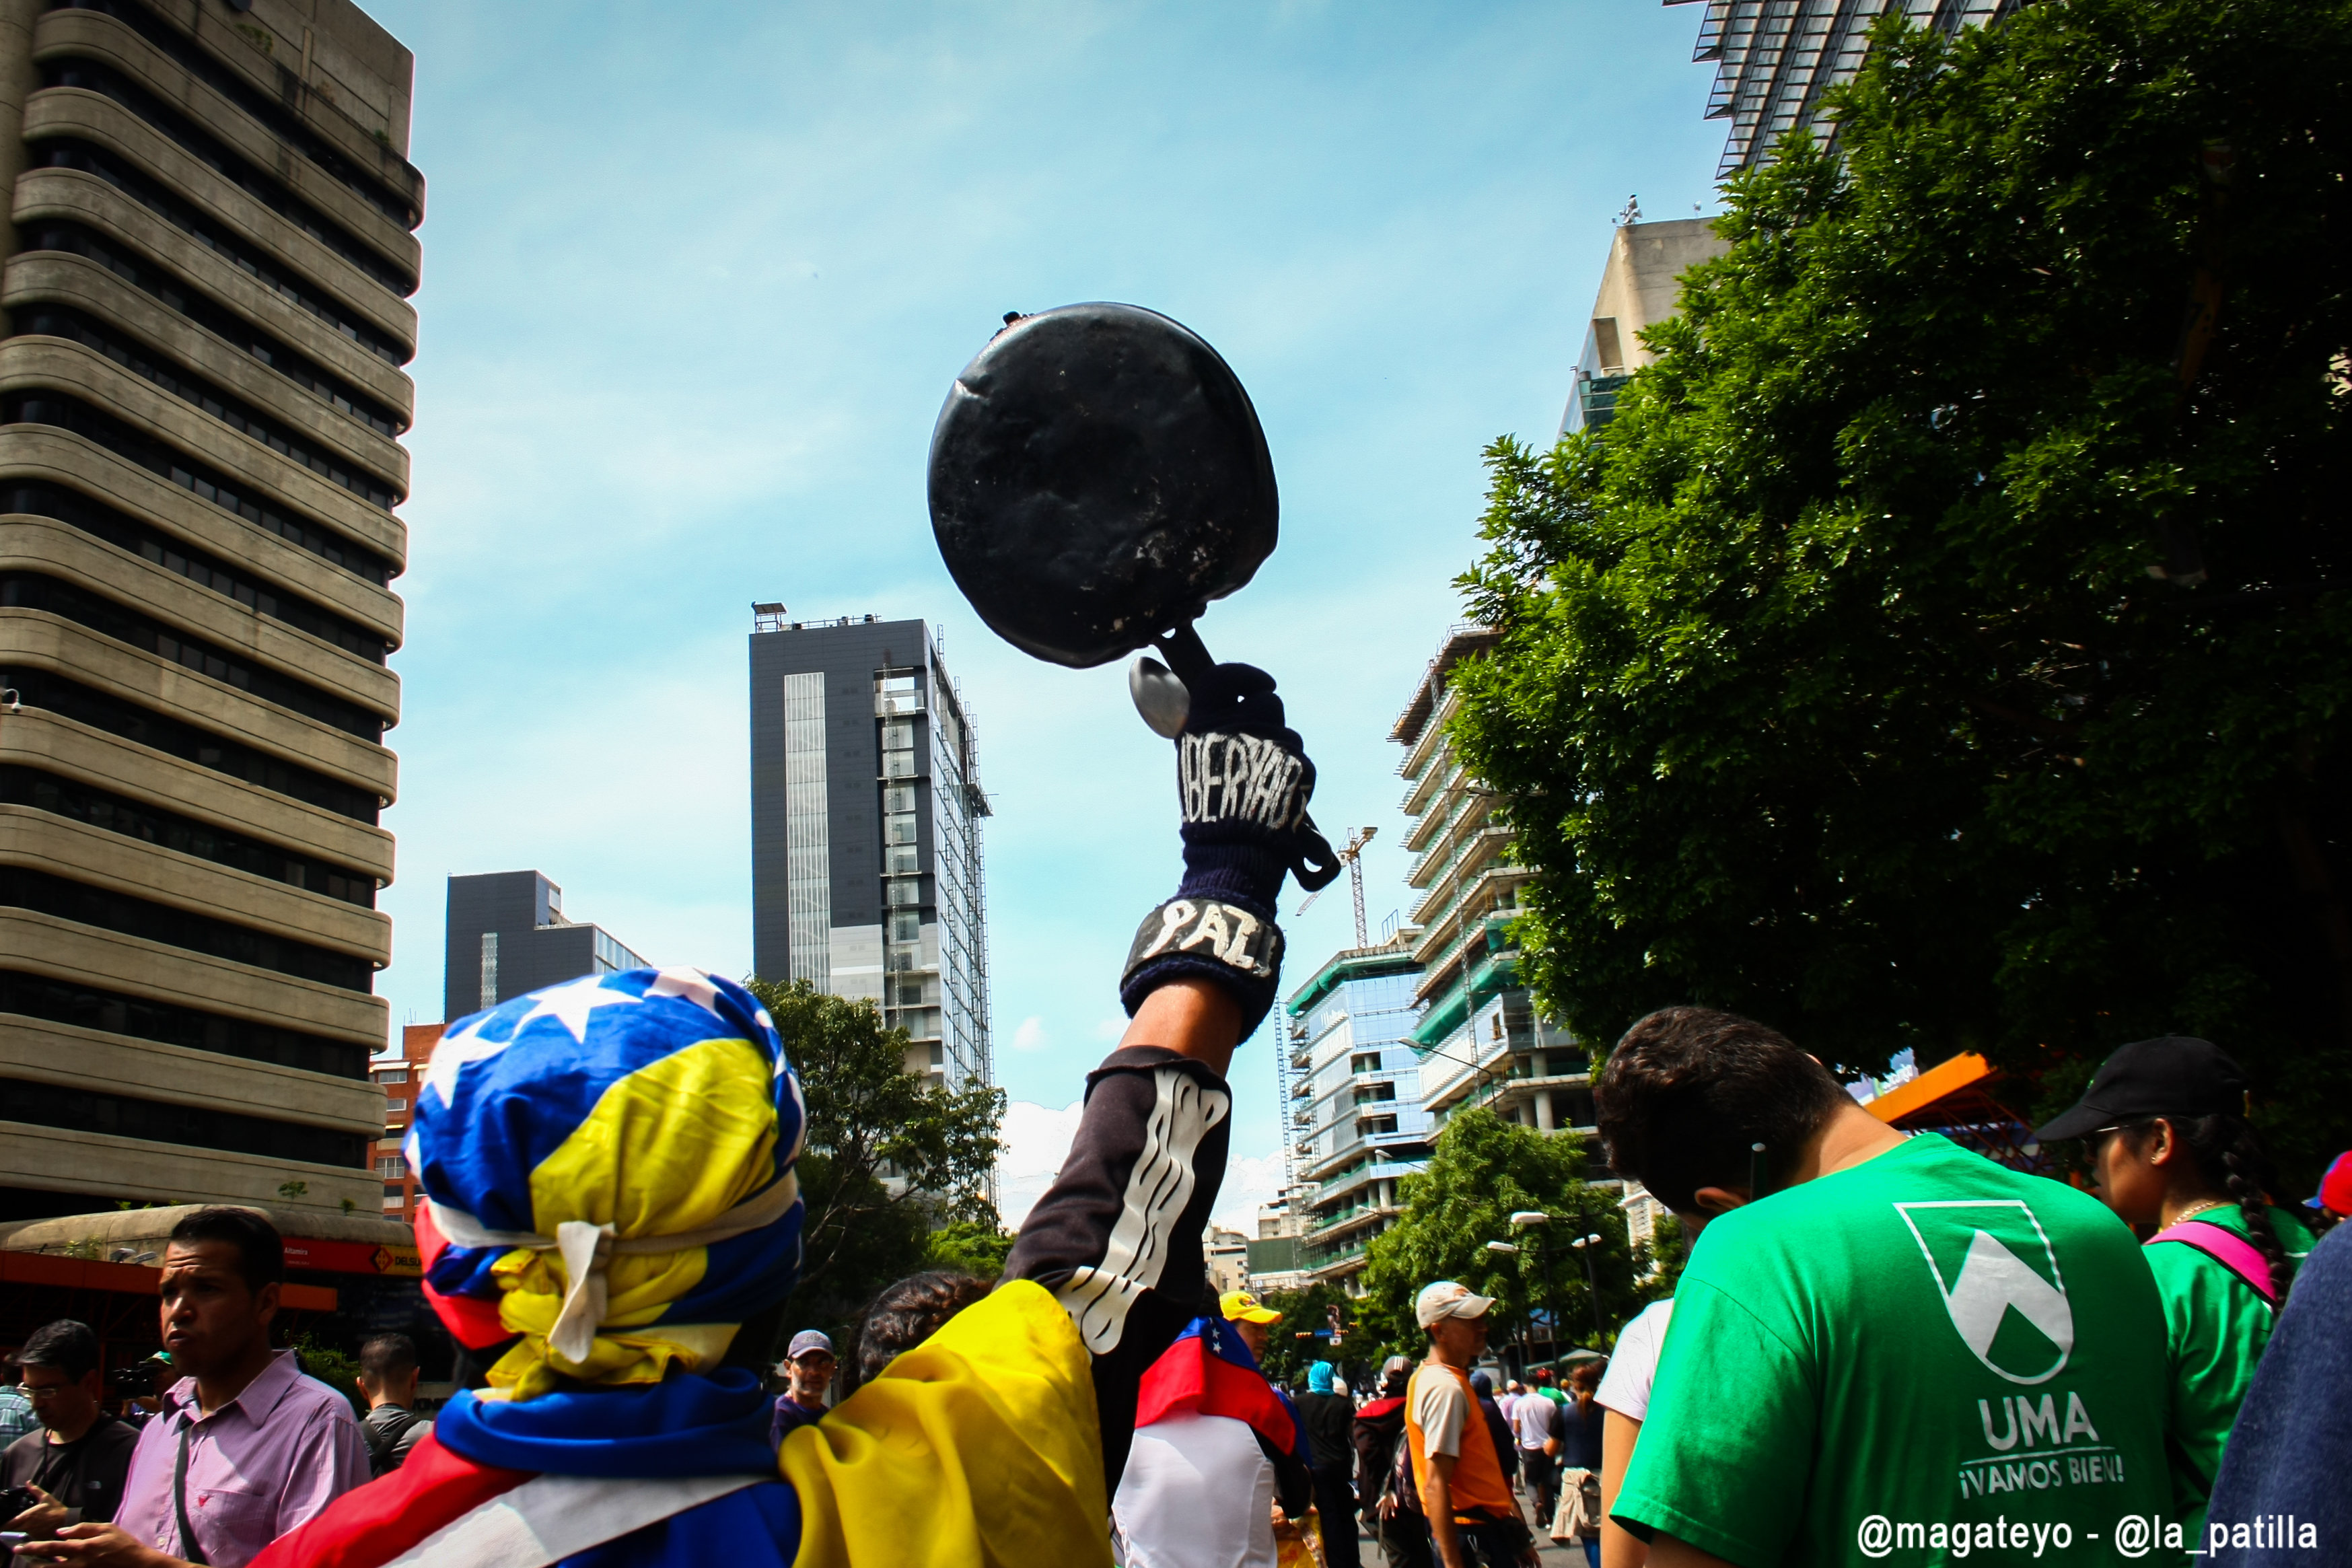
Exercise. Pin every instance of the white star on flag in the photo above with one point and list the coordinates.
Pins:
(693, 985)
(455, 1051)
(571, 1005)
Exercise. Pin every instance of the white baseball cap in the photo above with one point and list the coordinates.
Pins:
(1449, 1299)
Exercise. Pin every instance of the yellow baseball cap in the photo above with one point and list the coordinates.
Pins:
(1240, 1307)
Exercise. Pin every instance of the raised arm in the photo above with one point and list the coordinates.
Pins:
(1116, 1237)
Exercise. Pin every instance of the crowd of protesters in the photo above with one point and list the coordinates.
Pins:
(2145, 1358)
(1880, 1346)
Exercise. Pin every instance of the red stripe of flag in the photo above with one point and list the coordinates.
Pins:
(370, 1527)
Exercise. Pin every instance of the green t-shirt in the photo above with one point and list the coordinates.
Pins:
(1926, 1341)
(2215, 1328)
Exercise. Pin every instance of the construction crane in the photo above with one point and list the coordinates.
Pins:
(1351, 857)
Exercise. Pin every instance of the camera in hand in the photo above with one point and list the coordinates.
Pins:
(14, 1500)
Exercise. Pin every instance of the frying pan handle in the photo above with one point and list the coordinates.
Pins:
(1188, 655)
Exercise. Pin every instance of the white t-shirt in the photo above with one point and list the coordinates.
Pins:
(1197, 1493)
(1625, 1386)
(1537, 1419)
(1439, 1407)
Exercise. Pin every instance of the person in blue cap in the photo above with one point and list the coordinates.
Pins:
(807, 1370)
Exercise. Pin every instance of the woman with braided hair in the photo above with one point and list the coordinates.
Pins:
(2171, 1150)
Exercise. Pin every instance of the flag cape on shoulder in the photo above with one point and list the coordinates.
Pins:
(1210, 1372)
(651, 1477)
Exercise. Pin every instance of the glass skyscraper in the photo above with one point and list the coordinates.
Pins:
(865, 844)
(1356, 1121)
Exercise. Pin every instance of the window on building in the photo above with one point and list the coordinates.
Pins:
(390, 1167)
(897, 694)
(391, 1105)
(392, 1075)
(1605, 345)
(1365, 1061)
(905, 925)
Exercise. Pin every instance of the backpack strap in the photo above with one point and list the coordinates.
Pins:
(2228, 1249)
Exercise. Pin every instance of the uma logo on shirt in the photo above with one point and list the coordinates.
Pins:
(1999, 1276)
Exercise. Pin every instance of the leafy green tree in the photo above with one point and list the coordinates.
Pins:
(891, 1156)
(1482, 1170)
(335, 1367)
(969, 1246)
(1948, 645)
(1287, 1356)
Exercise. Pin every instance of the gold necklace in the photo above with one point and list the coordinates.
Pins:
(2195, 1209)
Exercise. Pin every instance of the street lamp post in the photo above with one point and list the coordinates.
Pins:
(1530, 1219)
(1584, 1246)
(1506, 1249)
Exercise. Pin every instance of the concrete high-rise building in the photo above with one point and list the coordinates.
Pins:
(206, 263)
(507, 935)
(1480, 1037)
(866, 819)
(1355, 1118)
(1641, 286)
(1774, 58)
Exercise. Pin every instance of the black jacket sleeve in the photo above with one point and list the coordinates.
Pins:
(1116, 1237)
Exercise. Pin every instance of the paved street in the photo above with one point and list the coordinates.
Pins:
(1554, 1555)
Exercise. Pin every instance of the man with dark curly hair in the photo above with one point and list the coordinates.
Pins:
(1932, 1354)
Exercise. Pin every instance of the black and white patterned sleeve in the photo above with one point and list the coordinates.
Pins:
(1116, 1237)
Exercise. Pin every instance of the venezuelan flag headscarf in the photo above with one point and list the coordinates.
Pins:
(607, 1167)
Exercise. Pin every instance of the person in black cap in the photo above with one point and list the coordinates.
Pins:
(2165, 1126)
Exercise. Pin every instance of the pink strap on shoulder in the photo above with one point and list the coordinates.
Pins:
(2228, 1249)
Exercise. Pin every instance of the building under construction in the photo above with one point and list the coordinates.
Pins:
(1774, 59)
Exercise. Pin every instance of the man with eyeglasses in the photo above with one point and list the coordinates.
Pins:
(247, 1447)
(74, 1463)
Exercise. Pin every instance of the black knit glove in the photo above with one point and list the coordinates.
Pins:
(1243, 782)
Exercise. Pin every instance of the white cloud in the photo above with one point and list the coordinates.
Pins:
(1037, 1141)
(1031, 1036)
(1250, 1181)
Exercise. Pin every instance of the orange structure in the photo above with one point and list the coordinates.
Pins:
(1954, 1097)
(399, 1079)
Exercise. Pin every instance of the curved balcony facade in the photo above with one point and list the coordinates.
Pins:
(201, 397)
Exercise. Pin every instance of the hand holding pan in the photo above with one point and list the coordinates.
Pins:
(1098, 474)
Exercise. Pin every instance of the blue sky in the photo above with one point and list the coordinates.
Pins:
(697, 277)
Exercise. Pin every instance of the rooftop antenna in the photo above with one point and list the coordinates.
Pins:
(1351, 857)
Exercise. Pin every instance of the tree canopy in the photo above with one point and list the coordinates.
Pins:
(1483, 1170)
(1287, 1356)
(1947, 645)
(892, 1158)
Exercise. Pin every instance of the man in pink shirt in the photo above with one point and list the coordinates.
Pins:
(246, 1447)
